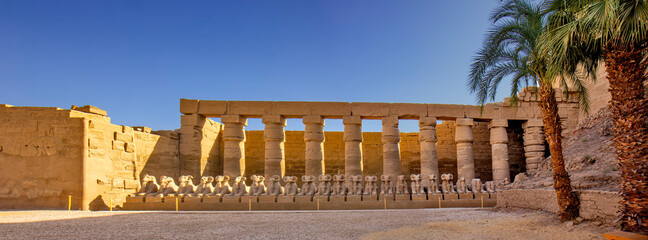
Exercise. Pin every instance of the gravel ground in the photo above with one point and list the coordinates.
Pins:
(447, 223)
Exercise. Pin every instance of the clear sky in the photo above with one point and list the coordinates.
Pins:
(136, 59)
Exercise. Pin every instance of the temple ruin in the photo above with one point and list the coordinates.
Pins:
(51, 155)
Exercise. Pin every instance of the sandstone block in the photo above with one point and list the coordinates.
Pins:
(90, 109)
(533, 123)
(369, 109)
(408, 110)
(188, 106)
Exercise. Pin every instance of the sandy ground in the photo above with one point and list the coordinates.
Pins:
(447, 223)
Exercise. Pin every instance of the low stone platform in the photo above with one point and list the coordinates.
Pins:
(404, 202)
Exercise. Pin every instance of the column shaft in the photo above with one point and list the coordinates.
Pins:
(499, 147)
(428, 141)
(274, 137)
(391, 149)
(352, 145)
(314, 138)
(533, 143)
(464, 140)
(234, 146)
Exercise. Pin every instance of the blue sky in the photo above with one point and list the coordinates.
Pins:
(136, 59)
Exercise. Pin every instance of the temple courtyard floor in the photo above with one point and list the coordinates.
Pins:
(446, 223)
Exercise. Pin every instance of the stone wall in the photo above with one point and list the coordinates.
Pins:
(200, 146)
(595, 205)
(41, 151)
(48, 154)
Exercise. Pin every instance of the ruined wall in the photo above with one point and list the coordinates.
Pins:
(47, 154)
(200, 146)
(120, 155)
(40, 157)
(595, 205)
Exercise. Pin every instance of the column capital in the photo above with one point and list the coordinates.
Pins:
(317, 119)
(533, 123)
(234, 119)
(391, 120)
(351, 120)
(498, 123)
(464, 122)
(277, 119)
(427, 121)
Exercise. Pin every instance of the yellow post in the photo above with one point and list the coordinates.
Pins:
(385, 200)
(176, 203)
(318, 204)
(69, 202)
(249, 204)
(482, 200)
(439, 202)
(111, 204)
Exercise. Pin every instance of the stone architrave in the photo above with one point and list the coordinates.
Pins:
(534, 143)
(499, 147)
(428, 141)
(391, 149)
(352, 145)
(464, 140)
(234, 145)
(274, 136)
(314, 138)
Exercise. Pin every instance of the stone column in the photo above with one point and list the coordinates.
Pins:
(428, 141)
(274, 137)
(352, 145)
(234, 138)
(533, 143)
(499, 146)
(314, 138)
(464, 140)
(391, 149)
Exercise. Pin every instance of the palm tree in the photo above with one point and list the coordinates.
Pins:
(511, 50)
(580, 34)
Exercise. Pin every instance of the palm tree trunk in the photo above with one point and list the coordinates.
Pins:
(626, 73)
(567, 200)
